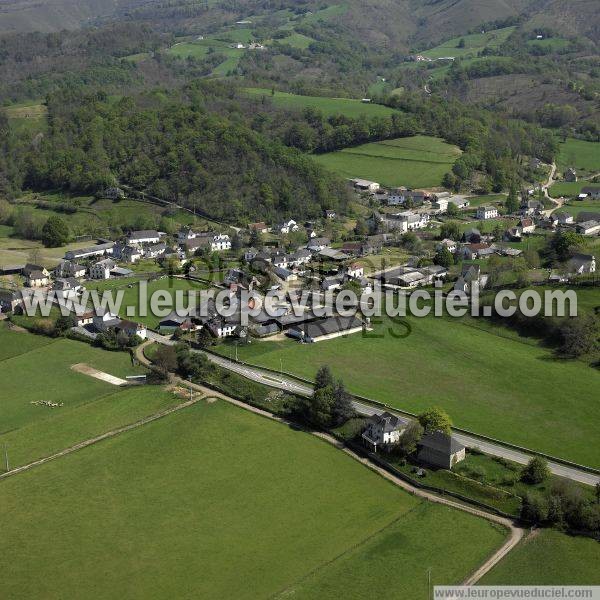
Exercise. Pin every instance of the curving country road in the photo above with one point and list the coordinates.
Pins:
(289, 385)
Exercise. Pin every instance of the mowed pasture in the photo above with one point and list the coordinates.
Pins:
(215, 502)
(548, 557)
(44, 373)
(580, 155)
(349, 107)
(418, 161)
(493, 385)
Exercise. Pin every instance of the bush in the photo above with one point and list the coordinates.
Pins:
(536, 471)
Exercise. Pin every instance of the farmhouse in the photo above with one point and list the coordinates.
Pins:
(174, 322)
(36, 279)
(28, 269)
(561, 218)
(317, 244)
(67, 268)
(470, 277)
(588, 227)
(155, 250)
(131, 329)
(101, 269)
(287, 227)
(131, 254)
(440, 450)
(222, 327)
(449, 244)
(104, 320)
(11, 300)
(67, 288)
(440, 205)
(384, 430)
(284, 274)
(526, 225)
(532, 207)
(486, 212)
(325, 329)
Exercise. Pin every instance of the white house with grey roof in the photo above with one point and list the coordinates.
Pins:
(384, 430)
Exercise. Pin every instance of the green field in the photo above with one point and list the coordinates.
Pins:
(418, 161)
(567, 189)
(200, 48)
(549, 558)
(131, 295)
(27, 117)
(474, 43)
(13, 343)
(329, 106)
(513, 391)
(297, 40)
(576, 206)
(580, 155)
(44, 373)
(178, 508)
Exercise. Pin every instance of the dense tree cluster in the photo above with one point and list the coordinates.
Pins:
(171, 146)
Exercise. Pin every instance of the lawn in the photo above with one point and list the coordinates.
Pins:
(175, 509)
(473, 44)
(418, 161)
(329, 106)
(549, 558)
(489, 384)
(44, 373)
(131, 307)
(583, 156)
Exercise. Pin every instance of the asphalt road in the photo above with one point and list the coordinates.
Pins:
(289, 385)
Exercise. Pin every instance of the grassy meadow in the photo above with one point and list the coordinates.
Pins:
(418, 161)
(548, 557)
(328, 106)
(43, 372)
(488, 383)
(178, 509)
(473, 44)
(583, 156)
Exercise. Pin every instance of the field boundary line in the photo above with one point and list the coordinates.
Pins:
(101, 437)
(290, 588)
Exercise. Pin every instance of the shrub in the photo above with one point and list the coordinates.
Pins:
(536, 471)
